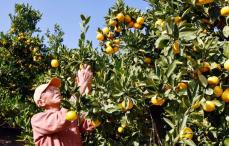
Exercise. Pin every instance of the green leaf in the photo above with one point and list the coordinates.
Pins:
(189, 142)
(82, 17)
(169, 123)
(226, 31)
(226, 49)
(162, 41)
(172, 67)
(203, 80)
(187, 35)
(226, 141)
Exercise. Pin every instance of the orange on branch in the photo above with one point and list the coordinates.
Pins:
(120, 17)
(209, 106)
(213, 80)
(225, 95)
(71, 116)
(54, 63)
(224, 11)
(140, 20)
(100, 37)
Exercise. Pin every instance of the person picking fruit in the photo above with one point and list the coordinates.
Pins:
(56, 126)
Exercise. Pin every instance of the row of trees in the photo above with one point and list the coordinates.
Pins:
(160, 76)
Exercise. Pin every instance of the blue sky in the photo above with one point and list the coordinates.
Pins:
(67, 15)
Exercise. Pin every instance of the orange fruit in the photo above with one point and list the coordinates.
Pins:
(140, 20)
(186, 133)
(157, 101)
(224, 11)
(118, 29)
(137, 25)
(117, 42)
(96, 122)
(116, 49)
(226, 65)
(203, 2)
(120, 129)
(54, 63)
(177, 19)
(127, 105)
(213, 80)
(127, 19)
(109, 50)
(176, 48)
(131, 24)
(218, 91)
(209, 106)
(71, 116)
(120, 17)
(182, 86)
(225, 95)
(105, 30)
(100, 37)
(205, 68)
(112, 22)
(147, 60)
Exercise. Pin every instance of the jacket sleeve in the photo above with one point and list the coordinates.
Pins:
(50, 122)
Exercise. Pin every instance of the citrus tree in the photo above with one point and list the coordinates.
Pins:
(164, 76)
(160, 76)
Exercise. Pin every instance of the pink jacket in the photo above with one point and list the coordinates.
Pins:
(51, 129)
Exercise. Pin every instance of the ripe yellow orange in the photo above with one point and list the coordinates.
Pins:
(118, 29)
(71, 116)
(218, 91)
(226, 65)
(182, 86)
(213, 80)
(54, 63)
(177, 20)
(109, 50)
(224, 11)
(203, 2)
(127, 19)
(137, 25)
(205, 68)
(105, 30)
(120, 17)
(127, 105)
(225, 95)
(96, 122)
(131, 24)
(100, 37)
(147, 60)
(120, 129)
(112, 22)
(157, 101)
(140, 20)
(209, 106)
(116, 49)
(176, 48)
(117, 42)
(186, 133)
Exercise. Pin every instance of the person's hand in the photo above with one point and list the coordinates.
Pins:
(84, 78)
(84, 75)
